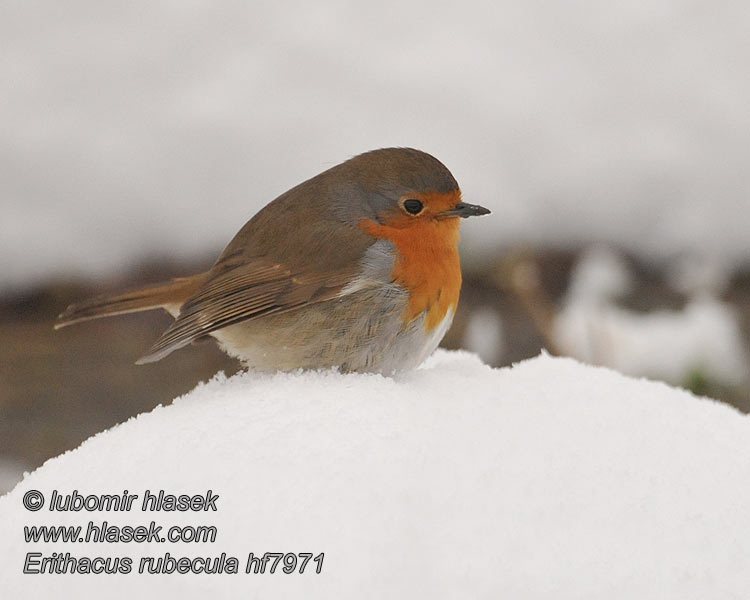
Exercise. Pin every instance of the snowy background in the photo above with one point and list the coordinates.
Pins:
(157, 128)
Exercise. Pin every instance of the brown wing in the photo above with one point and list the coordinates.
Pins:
(246, 292)
(282, 259)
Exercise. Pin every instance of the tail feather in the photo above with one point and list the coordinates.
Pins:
(168, 295)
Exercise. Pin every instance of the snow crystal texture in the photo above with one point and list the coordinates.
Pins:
(546, 480)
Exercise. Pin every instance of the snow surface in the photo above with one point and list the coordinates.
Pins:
(704, 337)
(670, 345)
(546, 480)
(161, 127)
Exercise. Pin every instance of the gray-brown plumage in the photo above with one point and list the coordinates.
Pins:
(300, 266)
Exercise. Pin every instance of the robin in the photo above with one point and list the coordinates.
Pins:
(356, 268)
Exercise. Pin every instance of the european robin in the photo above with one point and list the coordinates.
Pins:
(356, 268)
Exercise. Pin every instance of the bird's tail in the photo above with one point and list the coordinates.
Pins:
(170, 295)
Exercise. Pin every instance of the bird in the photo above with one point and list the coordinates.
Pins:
(355, 269)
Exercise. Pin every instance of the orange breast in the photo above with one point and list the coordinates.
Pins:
(427, 264)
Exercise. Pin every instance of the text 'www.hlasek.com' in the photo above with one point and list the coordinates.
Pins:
(157, 503)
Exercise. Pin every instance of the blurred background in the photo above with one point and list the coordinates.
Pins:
(610, 140)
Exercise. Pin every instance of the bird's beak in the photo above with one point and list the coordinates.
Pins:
(464, 210)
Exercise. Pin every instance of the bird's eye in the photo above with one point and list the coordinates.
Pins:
(413, 206)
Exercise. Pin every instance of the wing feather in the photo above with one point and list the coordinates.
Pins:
(296, 251)
(246, 291)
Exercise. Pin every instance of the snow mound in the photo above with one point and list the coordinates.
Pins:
(548, 479)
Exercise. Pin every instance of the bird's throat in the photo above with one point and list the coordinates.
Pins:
(427, 265)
